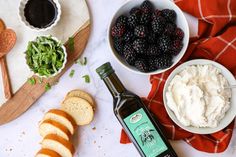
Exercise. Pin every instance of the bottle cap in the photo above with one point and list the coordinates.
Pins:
(105, 70)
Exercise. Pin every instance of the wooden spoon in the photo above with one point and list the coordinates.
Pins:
(7, 41)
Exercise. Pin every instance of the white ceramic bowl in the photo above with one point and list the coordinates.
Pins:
(158, 4)
(26, 23)
(230, 114)
(63, 65)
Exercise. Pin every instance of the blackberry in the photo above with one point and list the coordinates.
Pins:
(133, 20)
(153, 50)
(158, 25)
(129, 54)
(135, 10)
(176, 47)
(164, 43)
(141, 65)
(140, 46)
(145, 18)
(155, 14)
(146, 6)
(118, 46)
(151, 38)
(128, 36)
(140, 31)
(164, 62)
(122, 20)
(117, 30)
(169, 29)
(169, 15)
(152, 62)
(178, 34)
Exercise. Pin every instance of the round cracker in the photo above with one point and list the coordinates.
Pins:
(2, 25)
(79, 109)
(7, 40)
(83, 95)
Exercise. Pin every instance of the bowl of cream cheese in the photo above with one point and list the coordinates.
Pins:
(197, 96)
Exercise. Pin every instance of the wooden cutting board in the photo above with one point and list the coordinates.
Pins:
(27, 94)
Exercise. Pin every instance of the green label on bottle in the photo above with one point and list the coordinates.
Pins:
(145, 134)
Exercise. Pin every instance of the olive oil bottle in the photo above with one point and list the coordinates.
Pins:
(133, 115)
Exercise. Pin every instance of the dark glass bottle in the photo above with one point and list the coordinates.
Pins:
(133, 115)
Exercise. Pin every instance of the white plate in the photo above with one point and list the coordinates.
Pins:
(230, 114)
(181, 22)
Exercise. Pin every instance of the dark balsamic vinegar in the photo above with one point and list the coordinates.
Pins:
(40, 13)
(143, 130)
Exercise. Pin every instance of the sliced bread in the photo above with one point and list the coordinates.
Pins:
(61, 117)
(83, 95)
(59, 145)
(79, 109)
(47, 153)
(52, 127)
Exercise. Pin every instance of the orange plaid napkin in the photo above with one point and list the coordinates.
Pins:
(216, 41)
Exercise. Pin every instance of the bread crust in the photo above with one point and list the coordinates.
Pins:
(48, 152)
(65, 115)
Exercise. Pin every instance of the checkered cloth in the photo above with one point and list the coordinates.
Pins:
(216, 41)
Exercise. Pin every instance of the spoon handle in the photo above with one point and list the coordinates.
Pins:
(5, 78)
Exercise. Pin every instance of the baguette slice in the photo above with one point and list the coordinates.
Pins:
(63, 118)
(52, 127)
(79, 109)
(47, 153)
(83, 95)
(59, 145)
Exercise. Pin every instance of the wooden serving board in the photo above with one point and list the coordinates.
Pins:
(27, 94)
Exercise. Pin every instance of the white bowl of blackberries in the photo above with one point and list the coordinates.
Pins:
(148, 37)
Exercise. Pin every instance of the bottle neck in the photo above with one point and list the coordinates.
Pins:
(114, 85)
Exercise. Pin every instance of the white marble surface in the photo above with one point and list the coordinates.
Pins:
(20, 138)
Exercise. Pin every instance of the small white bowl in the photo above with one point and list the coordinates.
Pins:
(229, 115)
(63, 65)
(181, 22)
(27, 24)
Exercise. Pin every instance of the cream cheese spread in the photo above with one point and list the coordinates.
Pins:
(198, 97)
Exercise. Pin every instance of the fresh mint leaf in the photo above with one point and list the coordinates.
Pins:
(32, 81)
(72, 72)
(47, 87)
(86, 78)
(71, 44)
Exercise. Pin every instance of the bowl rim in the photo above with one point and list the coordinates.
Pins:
(63, 65)
(28, 25)
(229, 115)
(125, 65)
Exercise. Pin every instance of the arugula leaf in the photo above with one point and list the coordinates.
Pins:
(83, 61)
(71, 44)
(32, 81)
(72, 72)
(47, 87)
(86, 78)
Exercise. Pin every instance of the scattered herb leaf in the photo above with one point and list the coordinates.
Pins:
(86, 78)
(40, 80)
(32, 81)
(72, 72)
(47, 87)
(83, 61)
(71, 44)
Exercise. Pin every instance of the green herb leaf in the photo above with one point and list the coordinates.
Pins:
(40, 80)
(71, 44)
(45, 56)
(32, 81)
(86, 78)
(72, 72)
(83, 61)
(47, 87)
